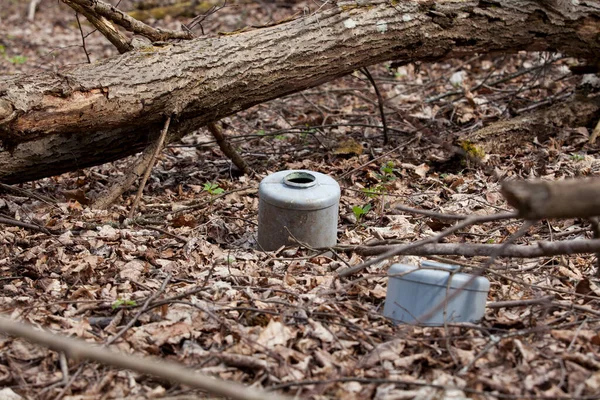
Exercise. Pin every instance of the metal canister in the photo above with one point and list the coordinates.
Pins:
(297, 206)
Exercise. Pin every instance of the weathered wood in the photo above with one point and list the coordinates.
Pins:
(56, 122)
(516, 134)
(563, 199)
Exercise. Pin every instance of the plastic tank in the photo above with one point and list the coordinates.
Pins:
(414, 292)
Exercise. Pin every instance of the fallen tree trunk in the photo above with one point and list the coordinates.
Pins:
(56, 122)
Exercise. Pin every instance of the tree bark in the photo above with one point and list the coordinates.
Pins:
(56, 122)
(562, 199)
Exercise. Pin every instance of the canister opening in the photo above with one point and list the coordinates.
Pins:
(300, 179)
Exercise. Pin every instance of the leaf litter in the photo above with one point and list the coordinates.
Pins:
(283, 320)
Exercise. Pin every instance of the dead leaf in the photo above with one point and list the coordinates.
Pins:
(275, 333)
(387, 351)
(184, 220)
(78, 195)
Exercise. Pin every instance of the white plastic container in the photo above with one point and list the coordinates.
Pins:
(299, 203)
(414, 292)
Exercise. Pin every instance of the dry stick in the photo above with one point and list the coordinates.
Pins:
(120, 41)
(163, 231)
(78, 349)
(140, 312)
(517, 281)
(570, 198)
(200, 18)
(135, 172)
(129, 23)
(546, 300)
(428, 213)
(14, 222)
(395, 250)
(28, 193)
(31, 9)
(577, 307)
(195, 206)
(537, 249)
(520, 232)
(70, 382)
(596, 230)
(411, 383)
(227, 148)
(87, 55)
(158, 148)
(395, 149)
(380, 102)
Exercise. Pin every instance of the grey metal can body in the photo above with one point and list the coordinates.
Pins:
(414, 292)
(299, 203)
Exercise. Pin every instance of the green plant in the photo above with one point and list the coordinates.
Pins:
(374, 191)
(359, 211)
(17, 59)
(577, 157)
(212, 188)
(388, 173)
(120, 302)
(13, 59)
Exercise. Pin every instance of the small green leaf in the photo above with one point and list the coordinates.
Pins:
(212, 188)
(120, 302)
(17, 59)
(359, 211)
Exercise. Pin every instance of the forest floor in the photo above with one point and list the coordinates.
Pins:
(284, 320)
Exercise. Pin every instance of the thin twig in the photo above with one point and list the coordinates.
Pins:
(533, 250)
(163, 231)
(595, 225)
(140, 311)
(28, 193)
(546, 300)
(21, 224)
(87, 55)
(70, 381)
(227, 148)
(520, 232)
(200, 18)
(118, 39)
(433, 239)
(159, 146)
(76, 348)
(395, 149)
(127, 22)
(194, 206)
(429, 213)
(380, 103)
